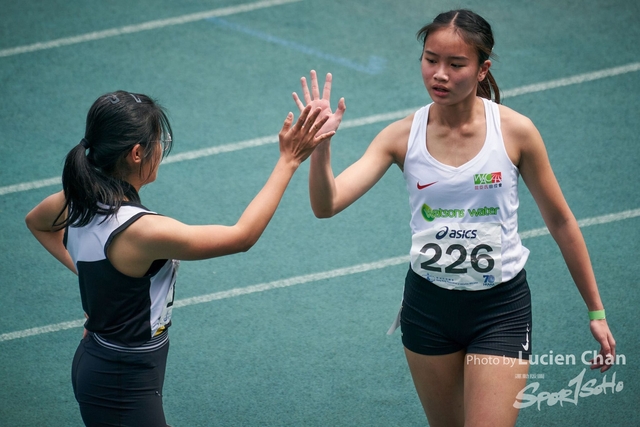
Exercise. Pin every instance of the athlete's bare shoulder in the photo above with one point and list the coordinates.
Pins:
(519, 133)
(514, 122)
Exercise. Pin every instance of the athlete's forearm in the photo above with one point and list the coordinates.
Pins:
(52, 242)
(260, 211)
(576, 256)
(322, 187)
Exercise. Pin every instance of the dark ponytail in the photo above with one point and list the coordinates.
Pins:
(476, 32)
(93, 178)
(488, 85)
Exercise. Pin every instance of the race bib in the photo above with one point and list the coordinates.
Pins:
(465, 256)
(167, 308)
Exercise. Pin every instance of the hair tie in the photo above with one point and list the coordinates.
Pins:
(84, 143)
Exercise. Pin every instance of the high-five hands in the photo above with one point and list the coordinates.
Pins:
(297, 141)
(313, 98)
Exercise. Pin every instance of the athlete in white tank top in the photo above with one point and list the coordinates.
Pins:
(464, 220)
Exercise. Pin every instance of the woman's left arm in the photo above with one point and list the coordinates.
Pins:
(40, 222)
(528, 152)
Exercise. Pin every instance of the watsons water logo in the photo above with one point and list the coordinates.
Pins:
(456, 234)
(486, 211)
(431, 214)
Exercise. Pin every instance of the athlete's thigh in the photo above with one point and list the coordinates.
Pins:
(439, 381)
(491, 386)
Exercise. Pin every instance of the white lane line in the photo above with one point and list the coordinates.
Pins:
(314, 277)
(376, 118)
(32, 185)
(56, 327)
(150, 25)
(580, 78)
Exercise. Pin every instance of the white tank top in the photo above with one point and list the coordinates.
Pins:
(124, 312)
(464, 220)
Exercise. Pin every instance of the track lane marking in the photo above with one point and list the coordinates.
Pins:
(145, 26)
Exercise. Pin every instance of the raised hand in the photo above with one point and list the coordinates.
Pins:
(313, 98)
(297, 141)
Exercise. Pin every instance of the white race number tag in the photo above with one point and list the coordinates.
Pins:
(459, 256)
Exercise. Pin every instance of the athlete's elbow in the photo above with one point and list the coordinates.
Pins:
(248, 241)
(245, 245)
(30, 221)
(322, 205)
(27, 221)
(322, 213)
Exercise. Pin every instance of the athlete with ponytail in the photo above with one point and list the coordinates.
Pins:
(466, 298)
(126, 256)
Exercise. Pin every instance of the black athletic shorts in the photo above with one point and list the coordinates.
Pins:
(495, 321)
(115, 388)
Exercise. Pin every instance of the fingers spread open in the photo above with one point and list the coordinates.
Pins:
(315, 90)
(298, 102)
(312, 123)
(326, 92)
(326, 135)
(303, 117)
(305, 90)
(320, 122)
(287, 123)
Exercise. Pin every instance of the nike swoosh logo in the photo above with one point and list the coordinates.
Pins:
(421, 187)
(526, 345)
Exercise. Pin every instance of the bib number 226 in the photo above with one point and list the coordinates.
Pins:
(481, 261)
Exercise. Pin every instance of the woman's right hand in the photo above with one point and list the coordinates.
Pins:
(313, 98)
(297, 141)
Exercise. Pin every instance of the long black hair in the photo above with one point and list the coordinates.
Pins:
(476, 32)
(94, 170)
